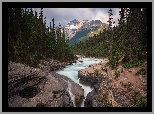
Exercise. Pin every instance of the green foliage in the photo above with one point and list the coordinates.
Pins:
(128, 39)
(78, 35)
(107, 64)
(113, 60)
(127, 65)
(130, 65)
(129, 87)
(117, 73)
(108, 104)
(142, 71)
(29, 40)
(96, 30)
(96, 73)
(142, 102)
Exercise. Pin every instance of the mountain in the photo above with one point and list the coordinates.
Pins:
(95, 31)
(78, 35)
(75, 26)
(71, 28)
(76, 30)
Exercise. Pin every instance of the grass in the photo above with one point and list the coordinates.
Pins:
(142, 71)
(95, 73)
(108, 104)
(117, 73)
(130, 65)
(128, 86)
(142, 102)
(107, 64)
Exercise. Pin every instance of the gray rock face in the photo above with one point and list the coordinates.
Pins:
(92, 99)
(31, 87)
(89, 99)
(21, 77)
(88, 79)
(75, 89)
(104, 95)
(51, 65)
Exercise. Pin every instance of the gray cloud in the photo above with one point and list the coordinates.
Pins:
(64, 15)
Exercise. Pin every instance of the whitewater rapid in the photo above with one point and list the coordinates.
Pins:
(71, 71)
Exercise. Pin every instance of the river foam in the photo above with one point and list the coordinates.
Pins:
(71, 71)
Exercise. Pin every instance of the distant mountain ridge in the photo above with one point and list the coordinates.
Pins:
(80, 31)
(75, 26)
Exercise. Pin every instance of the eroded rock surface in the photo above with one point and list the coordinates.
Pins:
(75, 88)
(111, 90)
(32, 87)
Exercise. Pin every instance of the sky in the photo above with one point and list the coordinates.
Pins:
(65, 15)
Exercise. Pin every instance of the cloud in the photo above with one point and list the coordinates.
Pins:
(116, 15)
(64, 15)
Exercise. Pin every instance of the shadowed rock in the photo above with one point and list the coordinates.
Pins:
(31, 87)
(75, 88)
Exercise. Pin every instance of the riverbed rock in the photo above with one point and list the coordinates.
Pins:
(124, 91)
(22, 78)
(80, 61)
(87, 79)
(92, 74)
(75, 88)
(100, 96)
(98, 75)
(51, 65)
(31, 87)
(89, 99)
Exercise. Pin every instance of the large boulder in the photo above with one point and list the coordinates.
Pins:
(22, 78)
(31, 87)
(51, 65)
(99, 96)
(52, 95)
(73, 87)
(93, 73)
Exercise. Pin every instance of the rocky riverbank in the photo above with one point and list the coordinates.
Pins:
(111, 90)
(43, 87)
(39, 87)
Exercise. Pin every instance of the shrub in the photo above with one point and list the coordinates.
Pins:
(142, 102)
(95, 72)
(129, 88)
(141, 72)
(130, 65)
(117, 73)
(107, 64)
(108, 104)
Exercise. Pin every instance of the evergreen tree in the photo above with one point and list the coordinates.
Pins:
(29, 40)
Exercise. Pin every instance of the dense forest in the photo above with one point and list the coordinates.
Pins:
(81, 35)
(93, 32)
(29, 40)
(128, 40)
(32, 41)
(78, 35)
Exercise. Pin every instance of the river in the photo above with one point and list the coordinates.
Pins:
(71, 71)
